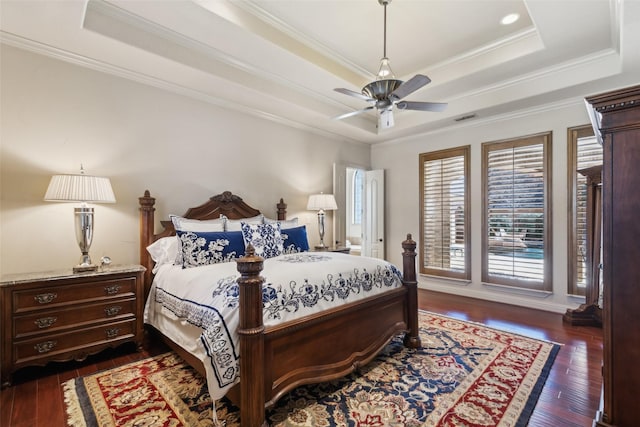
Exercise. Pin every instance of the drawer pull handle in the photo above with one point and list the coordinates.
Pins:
(45, 298)
(112, 290)
(112, 333)
(112, 311)
(45, 322)
(45, 347)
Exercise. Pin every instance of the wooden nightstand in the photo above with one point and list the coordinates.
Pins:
(61, 316)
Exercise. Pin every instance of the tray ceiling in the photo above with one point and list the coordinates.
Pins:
(281, 59)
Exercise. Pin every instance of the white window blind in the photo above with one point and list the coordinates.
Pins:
(444, 206)
(515, 241)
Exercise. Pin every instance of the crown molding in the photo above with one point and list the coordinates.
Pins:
(13, 40)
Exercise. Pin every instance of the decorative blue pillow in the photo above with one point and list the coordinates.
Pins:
(265, 238)
(204, 248)
(295, 240)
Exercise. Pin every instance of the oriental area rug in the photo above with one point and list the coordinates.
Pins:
(465, 374)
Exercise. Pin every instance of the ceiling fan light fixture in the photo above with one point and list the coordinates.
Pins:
(385, 119)
(385, 71)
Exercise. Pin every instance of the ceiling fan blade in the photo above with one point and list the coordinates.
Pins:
(410, 86)
(354, 93)
(353, 113)
(422, 106)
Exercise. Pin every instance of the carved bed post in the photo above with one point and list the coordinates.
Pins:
(251, 332)
(282, 210)
(146, 235)
(412, 338)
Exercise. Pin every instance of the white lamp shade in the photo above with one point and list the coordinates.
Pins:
(80, 188)
(322, 202)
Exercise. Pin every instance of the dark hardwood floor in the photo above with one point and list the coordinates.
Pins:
(570, 397)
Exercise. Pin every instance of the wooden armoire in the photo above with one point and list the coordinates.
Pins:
(617, 118)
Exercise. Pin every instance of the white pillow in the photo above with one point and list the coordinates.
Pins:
(186, 224)
(164, 251)
(236, 224)
(284, 224)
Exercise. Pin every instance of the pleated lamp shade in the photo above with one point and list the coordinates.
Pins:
(80, 188)
(322, 202)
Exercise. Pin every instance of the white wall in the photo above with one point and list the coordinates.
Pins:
(56, 115)
(401, 164)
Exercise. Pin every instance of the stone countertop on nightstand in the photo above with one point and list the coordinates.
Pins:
(12, 279)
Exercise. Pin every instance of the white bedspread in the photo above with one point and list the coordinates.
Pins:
(198, 307)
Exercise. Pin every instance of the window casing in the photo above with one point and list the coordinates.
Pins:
(583, 152)
(444, 213)
(516, 223)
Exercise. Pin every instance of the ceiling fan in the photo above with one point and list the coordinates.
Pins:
(387, 91)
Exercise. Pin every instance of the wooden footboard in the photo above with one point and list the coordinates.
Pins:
(320, 347)
(316, 348)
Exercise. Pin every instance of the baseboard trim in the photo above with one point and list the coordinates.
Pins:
(511, 299)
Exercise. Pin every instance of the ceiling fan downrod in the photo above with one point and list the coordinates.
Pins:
(384, 46)
(385, 71)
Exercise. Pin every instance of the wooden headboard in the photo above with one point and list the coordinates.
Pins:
(226, 203)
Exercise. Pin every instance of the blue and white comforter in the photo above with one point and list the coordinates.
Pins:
(198, 307)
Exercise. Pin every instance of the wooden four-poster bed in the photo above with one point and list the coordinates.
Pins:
(314, 348)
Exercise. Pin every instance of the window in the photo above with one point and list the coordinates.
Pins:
(444, 213)
(584, 151)
(357, 197)
(516, 233)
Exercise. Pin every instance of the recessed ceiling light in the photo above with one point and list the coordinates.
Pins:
(509, 19)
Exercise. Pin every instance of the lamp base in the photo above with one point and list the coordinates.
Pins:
(322, 247)
(84, 268)
(85, 263)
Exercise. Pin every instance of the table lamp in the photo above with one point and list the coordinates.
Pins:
(321, 202)
(85, 189)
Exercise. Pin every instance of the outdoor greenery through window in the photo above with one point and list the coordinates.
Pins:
(516, 207)
(444, 213)
(584, 151)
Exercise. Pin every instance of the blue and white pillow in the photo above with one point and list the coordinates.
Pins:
(265, 238)
(204, 248)
(295, 240)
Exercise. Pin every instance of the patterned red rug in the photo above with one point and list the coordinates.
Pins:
(466, 374)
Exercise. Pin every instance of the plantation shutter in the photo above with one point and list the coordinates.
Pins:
(515, 229)
(445, 225)
(589, 153)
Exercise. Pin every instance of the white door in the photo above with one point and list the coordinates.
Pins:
(373, 216)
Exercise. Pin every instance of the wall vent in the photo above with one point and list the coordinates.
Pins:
(467, 117)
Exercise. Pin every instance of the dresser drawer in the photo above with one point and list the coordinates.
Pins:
(55, 296)
(56, 320)
(53, 344)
